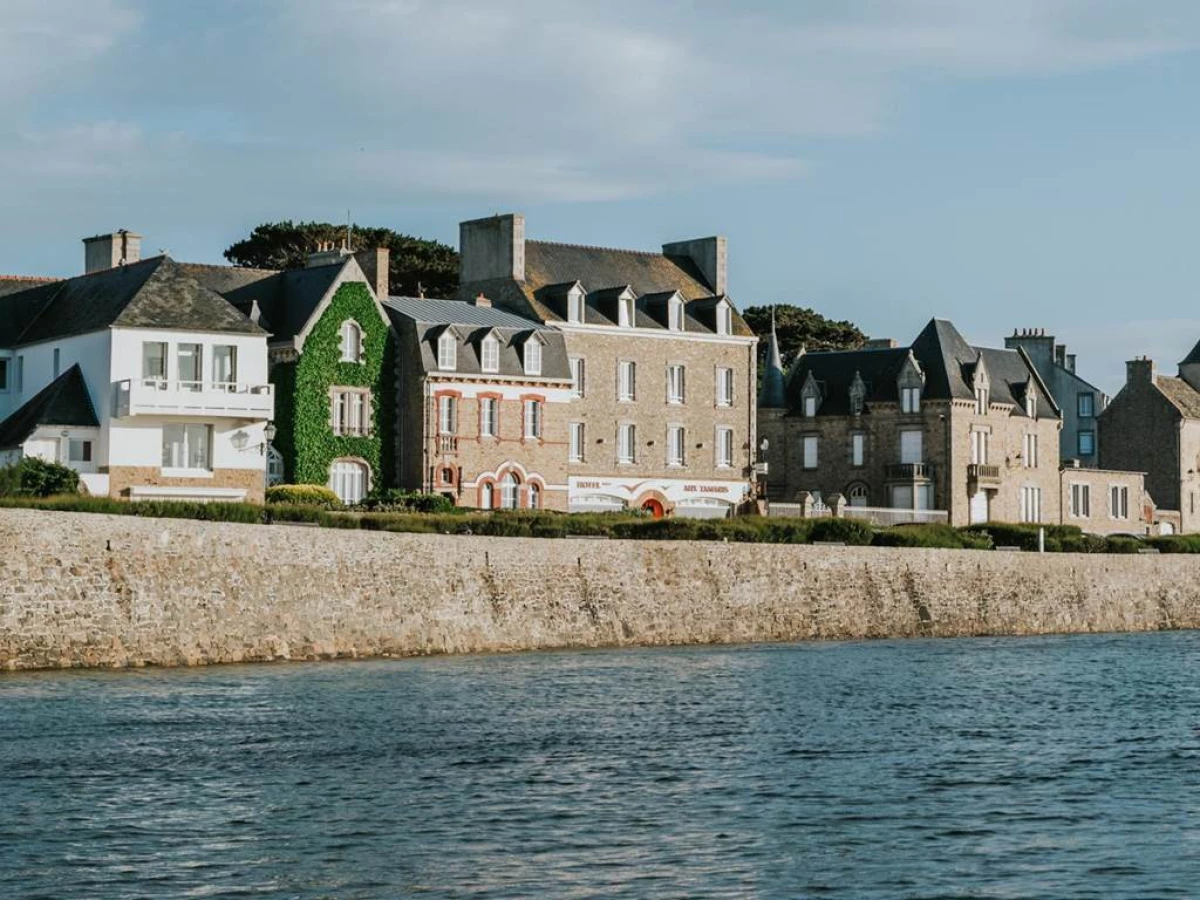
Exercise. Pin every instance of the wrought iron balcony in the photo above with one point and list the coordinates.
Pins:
(909, 471)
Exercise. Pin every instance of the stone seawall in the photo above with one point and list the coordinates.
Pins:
(91, 590)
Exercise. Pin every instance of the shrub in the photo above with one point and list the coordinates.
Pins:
(393, 500)
(33, 477)
(1123, 544)
(1025, 536)
(1083, 543)
(1175, 543)
(303, 495)
(846, 531)
(932, 535)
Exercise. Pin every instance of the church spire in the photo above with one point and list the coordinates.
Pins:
(773, 394)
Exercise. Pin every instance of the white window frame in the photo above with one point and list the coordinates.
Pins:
(724, 318)
(1029, 452)
(532, 418)
(858, 449)
(811, 451)
(447, 352)
(351, 334)
(194, 351)
(982, 401)
(343, 473)
(489, 354)
(575, 306)
(724, 386)
(1031, 505)
(1031, 405)
(626, 444)
(87, 449)
(810, 406)
(724, 447)
(675, 314)
(578, 367)
(910, 400)
(576, 432)
(350, 411)
(489, 417)
(981, 443)
(1118, 501)
(1081, 500)
(192, 436)
(510, 492)
(447, 414)
(626, 317)
(676, 446)
(163, 373)
(533, 356)
(627, 380)
(911, 438)
(676, 384)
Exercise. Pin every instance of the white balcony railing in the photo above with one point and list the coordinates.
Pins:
(886, 516)
(160, 397)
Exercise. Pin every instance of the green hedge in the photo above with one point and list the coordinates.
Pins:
(933, 536)
(395, 500)
(303, 495)
(33, 477)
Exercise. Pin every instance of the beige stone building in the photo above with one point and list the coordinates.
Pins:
(483, 398)
(662, 365)
(940, 430)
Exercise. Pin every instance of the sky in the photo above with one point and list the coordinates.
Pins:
(1000, 163)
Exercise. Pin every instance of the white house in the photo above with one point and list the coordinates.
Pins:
(138, 376)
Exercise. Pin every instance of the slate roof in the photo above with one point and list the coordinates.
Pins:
(63, 402)
(1181, 395)
(10, 284)
(426, 320)
(944, 356)
(152, 293)
(1193, 357)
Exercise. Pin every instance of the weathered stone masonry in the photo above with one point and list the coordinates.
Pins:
(90, 590)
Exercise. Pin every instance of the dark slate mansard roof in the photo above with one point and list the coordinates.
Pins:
(944, 356)
(63, 402)
(430, 319)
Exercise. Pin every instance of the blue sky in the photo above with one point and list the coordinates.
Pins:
(1002, 163)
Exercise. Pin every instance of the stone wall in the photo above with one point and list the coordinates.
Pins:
(91, 590)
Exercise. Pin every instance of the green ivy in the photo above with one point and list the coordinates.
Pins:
(304, 438)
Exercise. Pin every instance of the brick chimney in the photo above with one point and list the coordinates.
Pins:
(374, 264)
(710, 255)
(492, 248)
(1140, 369)
(107, 251)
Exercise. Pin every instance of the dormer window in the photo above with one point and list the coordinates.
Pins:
(858, 394)
(447, 352)
(625, 317)
(351, 341)
(575, 306)
(810, 397)
(910, 400)
(533, 356)
(810, 407)
(675, 313)
(1031, 405)
(981, 401)
(489, 354)
(724, 318)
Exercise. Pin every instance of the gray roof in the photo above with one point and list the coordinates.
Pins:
(944, 356)
(64, 401)
(423, 321)
(10, 284)
(152, 293)
(1181, 395)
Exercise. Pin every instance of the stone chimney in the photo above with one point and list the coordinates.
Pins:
(879, 344)
(1140, 369)
(107, 251)
(1070, 367)
(374, 264)
(492, 248)
(481, 300)
(710, 255)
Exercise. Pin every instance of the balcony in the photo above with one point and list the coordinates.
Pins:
(447, 444)
(909, 472)
(159, 397)
(984, 476)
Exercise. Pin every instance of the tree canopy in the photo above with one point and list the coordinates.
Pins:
(796, 327)
(414, 264)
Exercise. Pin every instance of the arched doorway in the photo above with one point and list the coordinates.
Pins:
(655, 508)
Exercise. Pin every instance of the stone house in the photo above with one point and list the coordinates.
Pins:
(1152, 425)
(1103, 501)
(137, 375)
(483, 406)
(938, 429)
(663, 366)
(1079, 401)
(332, 363)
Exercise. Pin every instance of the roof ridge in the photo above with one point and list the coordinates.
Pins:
(45, 279)
(597, 247)
(200, 265)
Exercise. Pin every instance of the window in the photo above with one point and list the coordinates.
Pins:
(625, 317)
(858, 449)
(224, 373)
(20, 374)
(447, 352)
(1031, 405)
(576, 432)
(575, 307)
(675, 314)
(1118, 499)
(487, 498)
(627, 443)
(447, 414)
(911, 450)
(489, 355)
(189, 360)
(3, 374)
(533, 419)
(535, 496)
(910, 400)
(509, 491)
(627, 380)
(810, 406)
(981, 401)
(1029, 454)
(154, 361)
(351, 341)
(1081, 500)
(859, 495)
(724, 387)
(810, 451)
(980, 445)
(348, 478)
(187, 447)
(676, 438)
(724, 319)
(1087, 443)
(675, 384)
(275, 470)
(578, 376)
(350, 411)
(79, 451)
(57, 362)
(533, 356)
(489, 410)
(1086, 405)
(1031, 504)
(724, 448)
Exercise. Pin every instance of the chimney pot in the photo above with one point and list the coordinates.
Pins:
(481, 300)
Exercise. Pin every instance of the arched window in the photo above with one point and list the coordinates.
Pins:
(535, 496)
(275, 472)
(351, 341)
(487, 495)
(858, 495)
(349, 479)
(509, 489)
